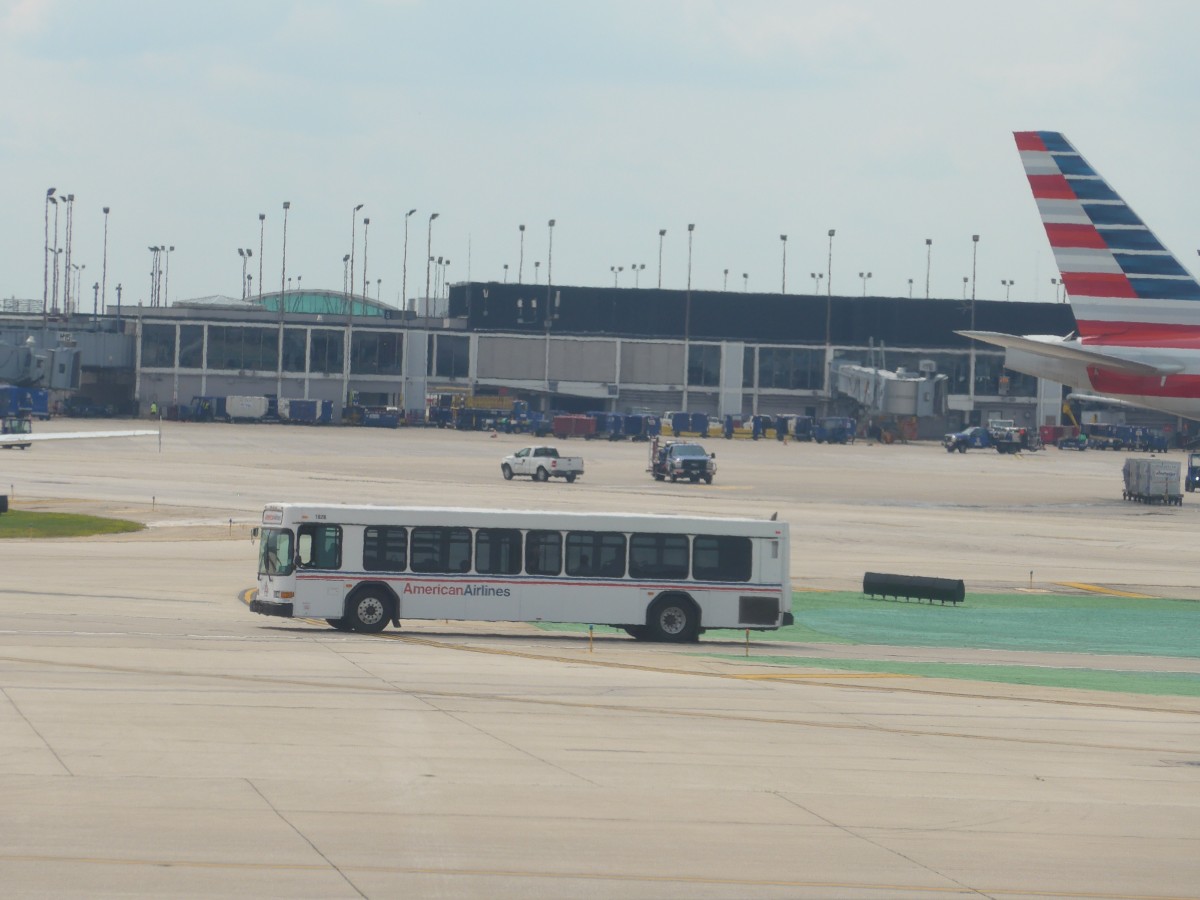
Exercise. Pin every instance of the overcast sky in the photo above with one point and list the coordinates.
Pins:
(890, 122)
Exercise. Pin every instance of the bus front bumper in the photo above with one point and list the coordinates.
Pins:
(270, 608)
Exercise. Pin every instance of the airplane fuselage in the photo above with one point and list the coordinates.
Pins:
(1177, 393)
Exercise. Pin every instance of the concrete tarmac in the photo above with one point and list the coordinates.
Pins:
(157, 739)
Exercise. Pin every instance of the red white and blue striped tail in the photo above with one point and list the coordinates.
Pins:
(1124, 285)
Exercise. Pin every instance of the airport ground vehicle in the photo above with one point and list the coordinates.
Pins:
(835, 430)
(663, 578)
(1192, 479)
(681, 459)
(24, 401)
(1152, 480)
(976, 437)
(541, 464)
(12, 425)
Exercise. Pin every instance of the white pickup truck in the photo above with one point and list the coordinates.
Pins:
(541, 464)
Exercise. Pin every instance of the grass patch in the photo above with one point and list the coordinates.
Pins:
(24, 524)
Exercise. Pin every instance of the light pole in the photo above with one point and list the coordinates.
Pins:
(428, 253)
(366, 281)
(506, 273)
(153, 275)
(54, 285)
(104, 264)
(549, 263)
(536, 264)
(816, 277)
(910, 289)
(350, 296)
(974, 257)
(46, 255)
(928, 262)
(864, 276)
(404, 268)
(783, 280)
(613, 269)
(262, 229)
(661, 234)
(287, 204)
(745, 282)
(687, 319)
(1008, 283)
(167, 284)
(829, 265)
(378, 289)
(346, 274)
(242, 255)
(521, 254)
(70, 201)
(725, 282)
(637, 274)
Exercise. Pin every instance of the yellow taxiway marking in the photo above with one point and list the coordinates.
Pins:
(1097, 589)
(773, 676)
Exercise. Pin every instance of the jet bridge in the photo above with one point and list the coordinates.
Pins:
(883, 393)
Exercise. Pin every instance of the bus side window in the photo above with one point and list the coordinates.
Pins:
(543, 553)
(319, 546)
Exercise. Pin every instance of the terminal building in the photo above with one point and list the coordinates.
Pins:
(575, 349)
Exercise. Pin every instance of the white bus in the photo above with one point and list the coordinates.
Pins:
(664, 578)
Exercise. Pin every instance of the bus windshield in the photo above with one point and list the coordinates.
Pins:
(275, 552)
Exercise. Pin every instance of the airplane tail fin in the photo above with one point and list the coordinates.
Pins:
(1122, 282)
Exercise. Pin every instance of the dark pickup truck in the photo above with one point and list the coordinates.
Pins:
(679, 459)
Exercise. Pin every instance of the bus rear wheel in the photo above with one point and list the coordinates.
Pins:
(673, 618)
(368, 612)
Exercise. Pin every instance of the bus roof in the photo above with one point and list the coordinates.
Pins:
(524, 518)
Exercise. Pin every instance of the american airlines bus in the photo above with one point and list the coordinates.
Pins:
(662, 578)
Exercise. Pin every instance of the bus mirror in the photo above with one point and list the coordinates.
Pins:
(254, 533)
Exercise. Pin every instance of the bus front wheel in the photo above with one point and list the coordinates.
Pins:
(674, 618)
(341, 624)
(368, 612)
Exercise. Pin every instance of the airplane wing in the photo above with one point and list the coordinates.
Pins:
(1108, 401)
(1070, 352)
(12, 440)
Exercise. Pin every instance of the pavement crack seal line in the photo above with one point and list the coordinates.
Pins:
(602, 707)
(304, 837)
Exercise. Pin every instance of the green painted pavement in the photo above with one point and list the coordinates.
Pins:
(1056, 623)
